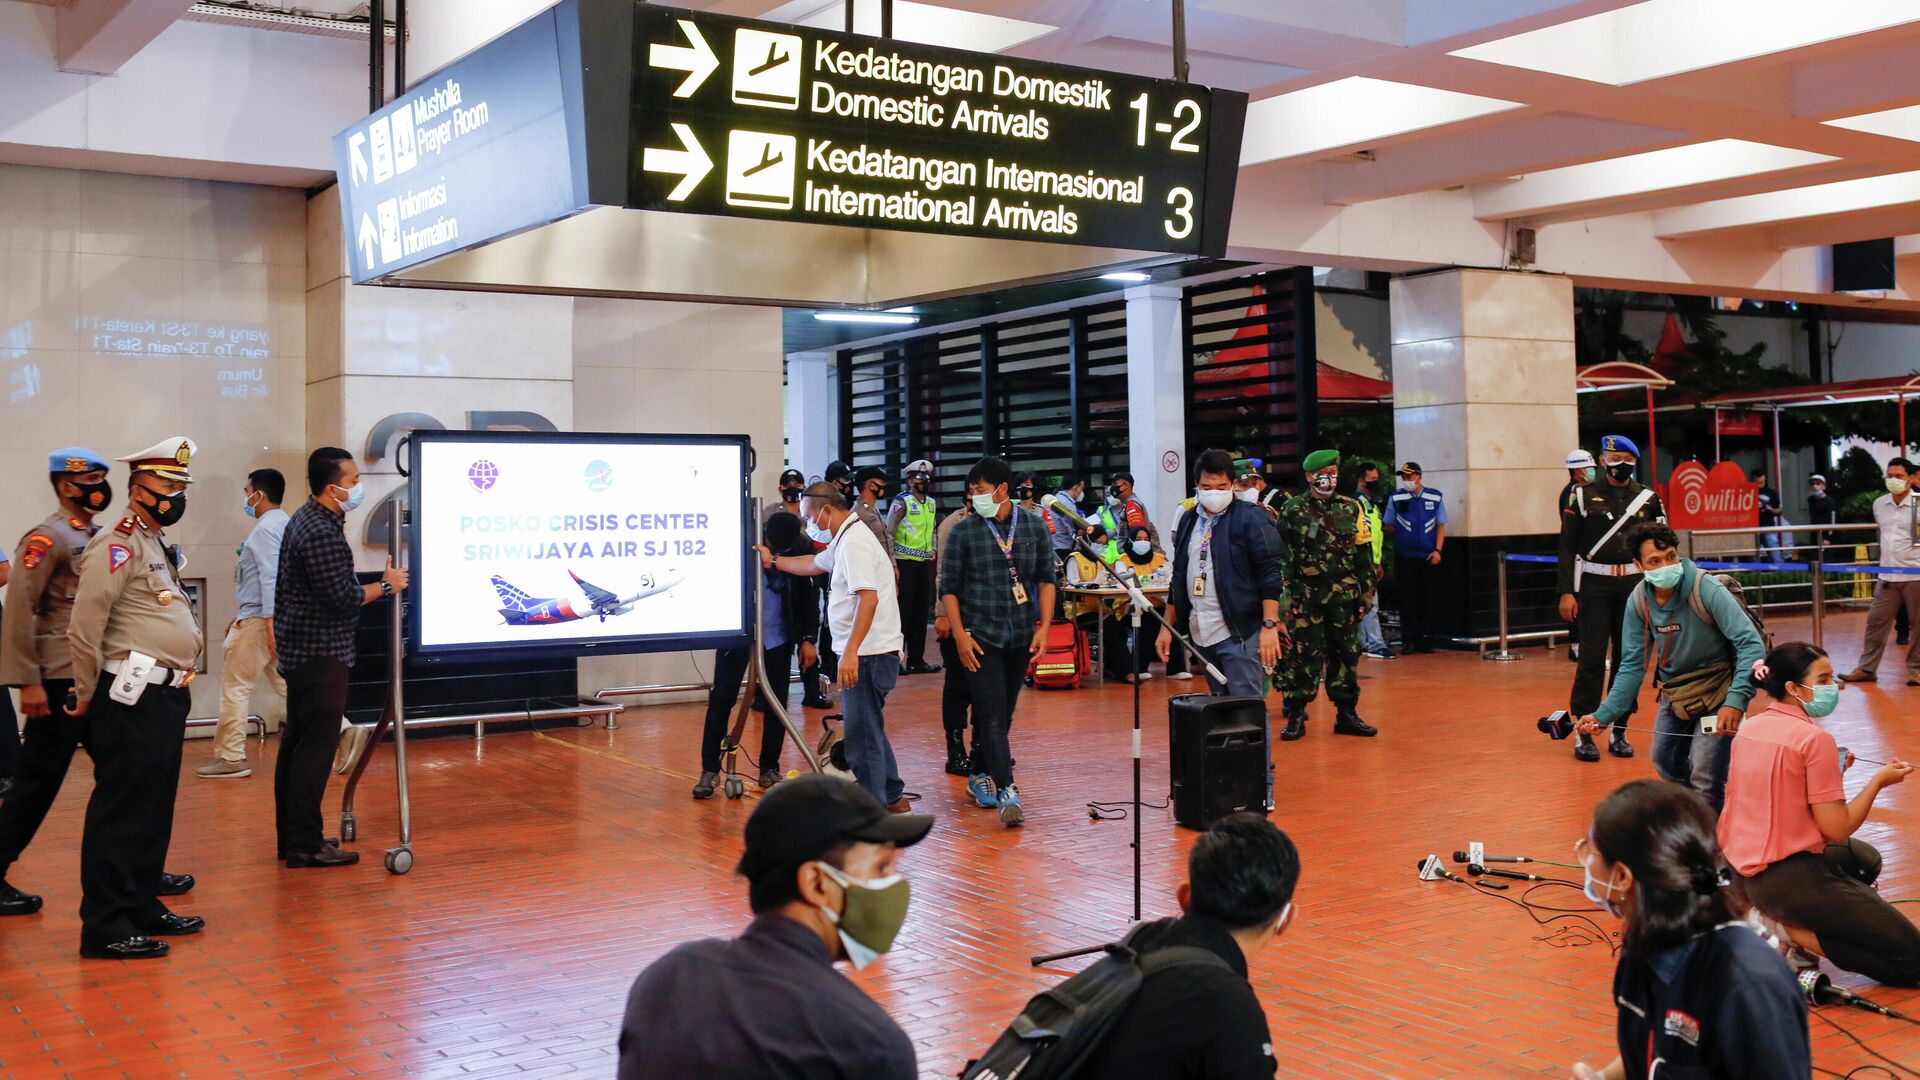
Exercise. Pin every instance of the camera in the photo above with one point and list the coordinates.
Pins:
(1557, 725)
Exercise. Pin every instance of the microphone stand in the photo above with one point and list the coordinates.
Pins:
(1136, 600)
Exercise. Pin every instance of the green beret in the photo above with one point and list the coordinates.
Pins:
(1320, 459)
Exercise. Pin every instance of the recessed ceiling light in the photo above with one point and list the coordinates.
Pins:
(881, 318)
(1126, 275)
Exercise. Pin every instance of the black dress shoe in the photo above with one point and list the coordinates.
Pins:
(923, 668)
(1618, 746)
(1584, 750)
(174, 885)
(171, 925)
(326, 856)
(134, 948)
(325, 841)
(15, 902)
(816, 701)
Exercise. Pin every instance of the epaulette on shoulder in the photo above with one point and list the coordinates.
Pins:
(127, 525)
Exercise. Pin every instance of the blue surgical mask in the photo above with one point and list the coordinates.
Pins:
(1142, 547)
(1666, 577)
(1592, 474)
(985, 505)
(246, 507)
(1600, 892)
(1825, 699)
(355, 494)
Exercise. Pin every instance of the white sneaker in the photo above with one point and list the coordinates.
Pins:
(1146, 676)
(221, 769)
(1180, 676)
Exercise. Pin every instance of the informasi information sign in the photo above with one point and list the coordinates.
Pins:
(755, 119)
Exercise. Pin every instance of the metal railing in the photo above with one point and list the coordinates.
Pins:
(1821, 577)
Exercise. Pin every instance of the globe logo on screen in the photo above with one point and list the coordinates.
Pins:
(483, 474)
(599, 476)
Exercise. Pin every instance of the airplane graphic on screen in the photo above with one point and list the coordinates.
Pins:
(520, 608)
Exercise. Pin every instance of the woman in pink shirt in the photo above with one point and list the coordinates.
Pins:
(1788, 826)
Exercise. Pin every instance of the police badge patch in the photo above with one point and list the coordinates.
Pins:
(117, 556)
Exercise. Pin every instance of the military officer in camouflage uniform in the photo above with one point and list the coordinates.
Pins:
(1329, 559)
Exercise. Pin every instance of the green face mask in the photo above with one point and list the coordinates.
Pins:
(1666, 577)
(871, 916)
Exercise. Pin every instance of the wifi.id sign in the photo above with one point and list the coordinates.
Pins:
(1720, 498)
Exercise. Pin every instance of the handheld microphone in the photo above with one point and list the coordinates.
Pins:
(1461, 857)
(1476, 870)
(1819, 990)
(1057, 505)
(1430, 869)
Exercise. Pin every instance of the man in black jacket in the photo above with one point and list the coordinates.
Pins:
(789, 620)
(1227, 582)
(1202, 1019)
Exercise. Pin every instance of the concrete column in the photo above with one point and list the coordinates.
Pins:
(1483, 394)
(810, 412)
(1157, 403)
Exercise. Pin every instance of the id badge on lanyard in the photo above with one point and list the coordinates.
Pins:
(1206, 558)
(1006, 549)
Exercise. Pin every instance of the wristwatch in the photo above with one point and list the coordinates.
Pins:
(1270, 624)
(386, 588)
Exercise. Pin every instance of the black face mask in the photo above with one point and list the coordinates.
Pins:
(790, 494)
(1621, 471)
(165, 510)
(1373, 487)
(94, 498)
(1024, 494)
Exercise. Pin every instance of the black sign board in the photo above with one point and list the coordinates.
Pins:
(774, 121)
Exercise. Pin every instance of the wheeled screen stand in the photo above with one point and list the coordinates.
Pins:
(733, 787)
(399, 860)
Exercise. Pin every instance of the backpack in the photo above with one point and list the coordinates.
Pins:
(1067, 658)
(1058, 1032)
(1641, 605)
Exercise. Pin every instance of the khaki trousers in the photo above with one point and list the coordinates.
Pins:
(248, 656)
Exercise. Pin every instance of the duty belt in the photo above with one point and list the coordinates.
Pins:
(158, 676)
(1606, 569)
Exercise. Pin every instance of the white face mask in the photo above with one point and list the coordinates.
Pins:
(1247, 495)
(1896, 486)
(1213, 502)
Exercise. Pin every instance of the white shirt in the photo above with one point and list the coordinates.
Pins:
(860, 564)
(1207, 623)
(1897, 523)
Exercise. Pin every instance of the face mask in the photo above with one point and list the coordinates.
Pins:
(1406, 483)
(1024, 495)
(789, 494)
(1373, 487)
(246, 507)
(1247, 495)
(94, 497)
(1142, 548)
(871, 916)
(166, 509)
(1323, 485)
(1594, 890)
(1818, 490)
(1825, 699)
(1213, 502)
(1589, 474)
(354, 495)
(1622, 471)
(1896, 486)
(985, 505)
(1666, 577)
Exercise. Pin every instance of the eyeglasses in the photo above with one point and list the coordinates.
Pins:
(1581, 849)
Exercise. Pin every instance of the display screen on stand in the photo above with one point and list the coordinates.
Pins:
(579, 543)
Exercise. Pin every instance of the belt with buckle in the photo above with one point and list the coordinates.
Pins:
(1607, 569)
(158, 676)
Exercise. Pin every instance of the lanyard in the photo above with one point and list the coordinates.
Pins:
(1206, 542)
(1006, 545)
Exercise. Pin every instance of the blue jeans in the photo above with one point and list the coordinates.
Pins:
(863, 705)
(1371, 639)
(1700, 762)
(1239, 661)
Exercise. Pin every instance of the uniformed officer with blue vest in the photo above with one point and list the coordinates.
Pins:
(1416, 515)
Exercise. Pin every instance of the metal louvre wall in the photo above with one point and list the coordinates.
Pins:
(873, 401)
(1250, 369)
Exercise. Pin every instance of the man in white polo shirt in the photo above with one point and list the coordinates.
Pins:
(1898, 515)
(864, 613)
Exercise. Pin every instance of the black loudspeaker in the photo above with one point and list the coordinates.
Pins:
(1218, 753)
(1863, 266)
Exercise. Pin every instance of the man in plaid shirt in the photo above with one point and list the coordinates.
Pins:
(316, 606)
(997, 580)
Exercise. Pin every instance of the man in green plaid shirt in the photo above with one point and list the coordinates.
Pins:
(997, 579)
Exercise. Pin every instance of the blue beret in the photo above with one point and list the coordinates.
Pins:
(1619, 444)
(75, 459)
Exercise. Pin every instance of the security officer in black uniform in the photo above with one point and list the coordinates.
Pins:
(135, 642)
(1596, 574)
(35, 658)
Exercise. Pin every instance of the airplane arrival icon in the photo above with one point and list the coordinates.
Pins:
(521, 608)
(766, 69)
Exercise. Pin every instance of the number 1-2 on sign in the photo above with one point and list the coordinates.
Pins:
(1185, 109)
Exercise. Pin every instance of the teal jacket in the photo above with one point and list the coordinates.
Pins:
(1687, 644)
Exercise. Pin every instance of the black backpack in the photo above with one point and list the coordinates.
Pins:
(1057, 1033)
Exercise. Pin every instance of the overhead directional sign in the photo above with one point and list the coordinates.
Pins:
(478, 150)
(768, 120)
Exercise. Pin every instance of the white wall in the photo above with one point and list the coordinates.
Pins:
(118, 297)
(441, 31)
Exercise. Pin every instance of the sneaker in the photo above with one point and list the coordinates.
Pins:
(1146, 676)
(1010, 812)
(980, 786)
(221, 769)
(1180, 676)
(1385, 654)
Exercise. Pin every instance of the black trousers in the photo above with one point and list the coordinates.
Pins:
(1832, 895)
(1414, 579)
(45, 754)
(316, 702)
(955, 699)
(729, 667)
(9, 737)
(136, 775)
(994, 690)
(1119, 649)
(827, 662)
(1603, 603)
(916, 606)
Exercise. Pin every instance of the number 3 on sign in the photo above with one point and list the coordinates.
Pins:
(1180, 224)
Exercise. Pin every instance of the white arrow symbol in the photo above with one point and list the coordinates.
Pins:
(698, 62)
(354, 144)
(368, 235)
(692, 162)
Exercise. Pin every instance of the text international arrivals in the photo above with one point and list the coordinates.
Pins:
(934, 173)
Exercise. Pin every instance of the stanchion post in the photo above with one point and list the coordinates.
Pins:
(1819, 574)
(399, 859)
(1500, 580)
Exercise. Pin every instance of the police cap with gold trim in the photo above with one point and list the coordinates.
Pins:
(167, 459)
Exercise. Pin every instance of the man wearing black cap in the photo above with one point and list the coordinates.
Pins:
(792, 482)
(870, 490)
(820, 867)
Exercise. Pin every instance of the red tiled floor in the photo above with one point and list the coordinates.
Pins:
(553, 867)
